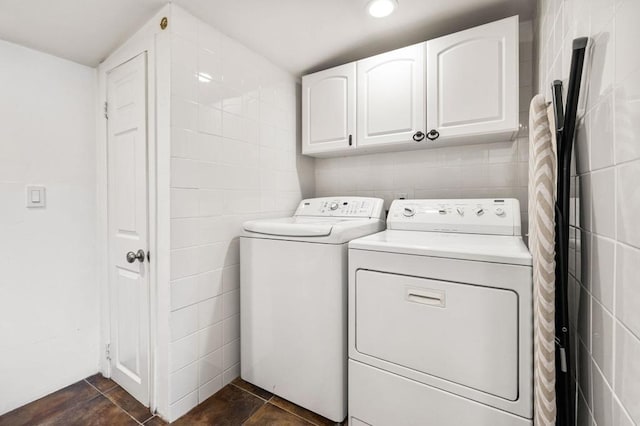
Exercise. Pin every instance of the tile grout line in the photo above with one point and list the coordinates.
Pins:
(268, 401)
(297, 415)
(250, 393)
(113, 402)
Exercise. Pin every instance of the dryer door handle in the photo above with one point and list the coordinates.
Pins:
(426, 297)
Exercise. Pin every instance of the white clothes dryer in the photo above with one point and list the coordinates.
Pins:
(440, 317)
(293, 300)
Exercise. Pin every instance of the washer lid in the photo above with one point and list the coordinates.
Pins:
(292, 226)
(477, 247)
(312, 229)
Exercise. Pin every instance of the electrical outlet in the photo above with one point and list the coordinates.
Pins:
(400, 196)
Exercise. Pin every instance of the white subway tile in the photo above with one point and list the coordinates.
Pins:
(231, 374)
(184, 292)
(209, 120)
(182, 407)
(184, 352)
(231, 303)
(602, 142)
(209, 388)
(209, 339)
(184, 113)
(231, 329)
(602, 270)
(209, 66)
(602, 399)
(209, 284)
(210, 366)
(183, 322)
(627, 288)
(627, 30)
(627, 118)
(231, 354)
(584, 317)
(628, 203)
(184, 24)
(602, 58)
(211, 256)
(602, 340)
(627, 380)
(184, 173)
(184, 143)
(183, 382)
(184, 262)
(231, 278)
(209, 312)
(603, 209)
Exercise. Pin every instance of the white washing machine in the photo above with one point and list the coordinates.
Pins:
(440, 317)
(293, 300)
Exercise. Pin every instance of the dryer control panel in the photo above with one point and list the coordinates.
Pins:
(348, 207)
(470, 216)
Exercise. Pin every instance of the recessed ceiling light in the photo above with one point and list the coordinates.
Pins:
(381, 8)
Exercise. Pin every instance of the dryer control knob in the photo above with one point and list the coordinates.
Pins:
(334, 206)
(409, 211)
(500, 211)
(479, 211)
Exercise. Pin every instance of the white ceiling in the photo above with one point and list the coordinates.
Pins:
(299, 35)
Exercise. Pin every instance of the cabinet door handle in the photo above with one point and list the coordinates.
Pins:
(350, 140)
(418, 136)
(433, 135)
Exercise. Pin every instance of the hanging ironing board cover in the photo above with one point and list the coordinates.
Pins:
(542, 196)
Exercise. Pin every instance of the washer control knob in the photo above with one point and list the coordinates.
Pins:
(442, 211)
(460, 210)
(409, 211)
(479, 211)
(500, 211)
(334, 206)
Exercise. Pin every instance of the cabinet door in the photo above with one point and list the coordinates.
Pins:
(391, 98)
(329, 110)
(472, 81)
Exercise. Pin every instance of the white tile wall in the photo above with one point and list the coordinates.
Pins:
(234, 139)
(472, 171)
(605, 293)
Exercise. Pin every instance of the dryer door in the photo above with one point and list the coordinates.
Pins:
(463, 333)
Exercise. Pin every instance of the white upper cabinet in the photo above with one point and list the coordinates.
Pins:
(472, 82)
(329, 110)
(391, 97)
(458, 89)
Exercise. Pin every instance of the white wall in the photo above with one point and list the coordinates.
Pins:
(605, 289)
(470, 171)
(48, 289)
(233, 158)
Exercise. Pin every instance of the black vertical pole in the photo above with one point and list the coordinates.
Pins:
(565, 131)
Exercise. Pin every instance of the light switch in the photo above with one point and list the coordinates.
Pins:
(36, 196)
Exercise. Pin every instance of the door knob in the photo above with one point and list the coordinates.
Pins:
(132, 257)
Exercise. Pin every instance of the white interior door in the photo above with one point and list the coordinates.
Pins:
(128, 226)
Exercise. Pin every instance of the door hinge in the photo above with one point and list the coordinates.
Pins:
(107, 351)
(106, 110)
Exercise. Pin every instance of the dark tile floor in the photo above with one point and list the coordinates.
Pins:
(100, 401)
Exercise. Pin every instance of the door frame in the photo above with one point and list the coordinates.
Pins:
(155, 42)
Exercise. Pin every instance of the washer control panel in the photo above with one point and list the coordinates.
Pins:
(472, 216)
(355, 207)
